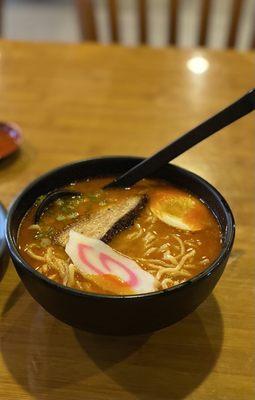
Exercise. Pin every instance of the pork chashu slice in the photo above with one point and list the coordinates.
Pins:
(106, 222)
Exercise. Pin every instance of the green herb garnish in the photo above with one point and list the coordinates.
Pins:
(73, 215)
(40, 199)
(60, 217)
(95, 197)
(59, 202)
(45, 233)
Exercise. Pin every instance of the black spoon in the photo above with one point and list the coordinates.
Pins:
(230, 114)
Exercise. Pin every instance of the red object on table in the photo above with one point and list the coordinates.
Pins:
(10, 138)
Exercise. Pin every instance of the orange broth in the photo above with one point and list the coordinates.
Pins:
(164, 239)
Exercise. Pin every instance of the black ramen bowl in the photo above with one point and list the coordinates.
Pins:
(111, 314)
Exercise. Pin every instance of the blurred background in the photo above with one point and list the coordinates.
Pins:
(67, 20)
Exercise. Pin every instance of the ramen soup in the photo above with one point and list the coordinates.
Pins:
(121, 241)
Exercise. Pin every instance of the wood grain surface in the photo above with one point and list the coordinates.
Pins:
(78, 101)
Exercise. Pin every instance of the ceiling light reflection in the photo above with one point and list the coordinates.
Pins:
(198, 65)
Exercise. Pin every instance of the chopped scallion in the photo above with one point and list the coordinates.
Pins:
(60, 217)
(73, 215)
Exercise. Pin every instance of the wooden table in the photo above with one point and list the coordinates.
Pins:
(75, 101)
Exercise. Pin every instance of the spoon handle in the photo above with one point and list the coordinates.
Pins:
(230, 114)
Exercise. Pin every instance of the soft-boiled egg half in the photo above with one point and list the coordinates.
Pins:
(178, 209)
